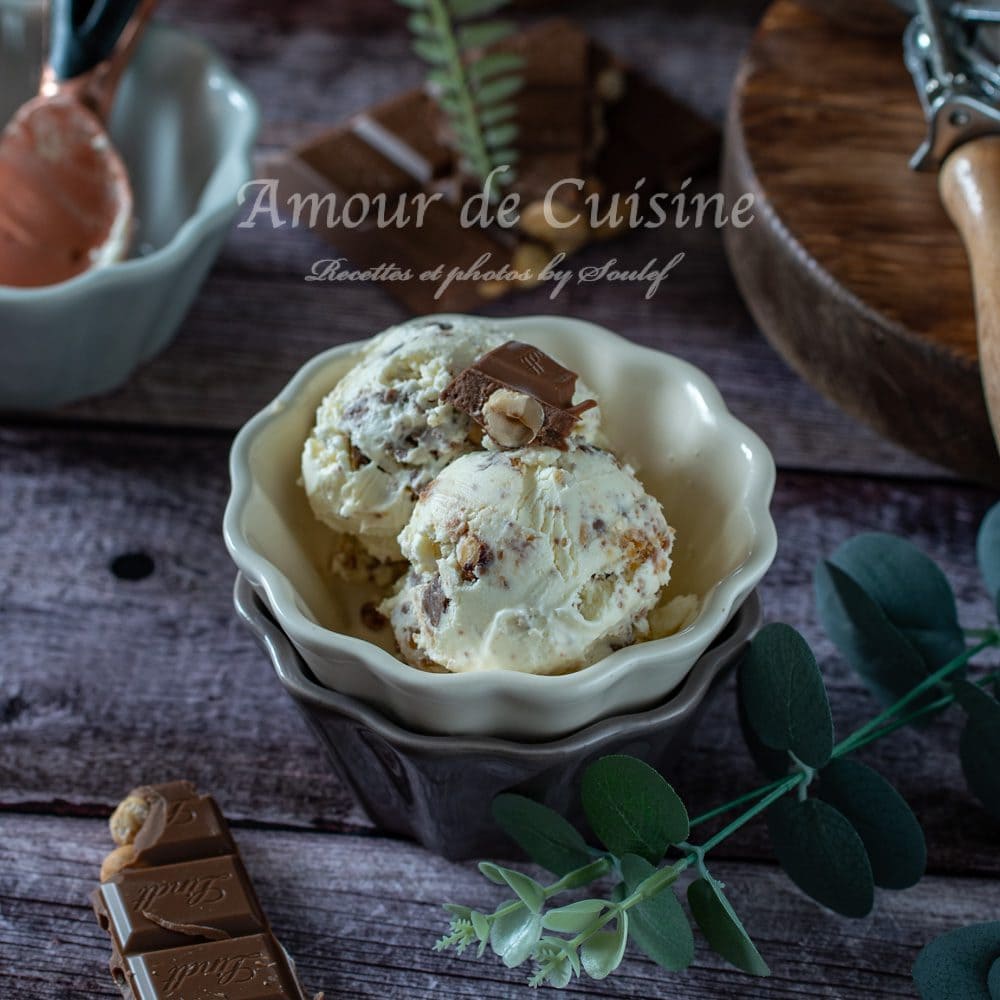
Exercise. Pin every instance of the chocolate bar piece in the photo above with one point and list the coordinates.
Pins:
(184, 919)
(526, 371)
(582, 113)
(248, 968)
(181, 825)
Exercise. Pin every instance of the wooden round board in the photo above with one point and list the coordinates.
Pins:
(851, 267)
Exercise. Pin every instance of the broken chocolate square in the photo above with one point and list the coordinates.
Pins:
(581, 114)
(525, 371)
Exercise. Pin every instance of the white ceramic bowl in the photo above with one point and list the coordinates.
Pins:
(712, 474)
(186, 129)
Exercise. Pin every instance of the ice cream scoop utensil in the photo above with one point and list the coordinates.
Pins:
(65, 196)
(951, 52)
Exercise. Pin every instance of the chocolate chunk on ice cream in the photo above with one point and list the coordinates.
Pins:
(520, 396)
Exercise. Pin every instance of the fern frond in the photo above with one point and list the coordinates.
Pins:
(498, 90)
(472, 86)
(479, 36)
(497, 114)
(466, 10)
(494, 64)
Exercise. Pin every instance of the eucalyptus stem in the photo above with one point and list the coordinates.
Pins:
(583, 875)
(857, 737)
(935, 706)
(979, 633)
(735, 803)
(792, 781)
(860, 738)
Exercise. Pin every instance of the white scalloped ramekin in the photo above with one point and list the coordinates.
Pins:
(712, 474)
(186, 128)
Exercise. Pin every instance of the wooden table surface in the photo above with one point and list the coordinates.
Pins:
(107, 682)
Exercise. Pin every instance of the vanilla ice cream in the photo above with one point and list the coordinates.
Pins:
(383, 433)
(535, 560)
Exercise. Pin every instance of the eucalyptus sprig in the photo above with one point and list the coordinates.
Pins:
(844, 831)
(473, 86)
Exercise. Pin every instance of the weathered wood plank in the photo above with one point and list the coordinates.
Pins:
(257, 320)
(104, 682)
(360, 916)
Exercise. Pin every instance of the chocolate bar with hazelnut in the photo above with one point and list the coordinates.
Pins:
(184, 919)
(518, 395)
(582, 113)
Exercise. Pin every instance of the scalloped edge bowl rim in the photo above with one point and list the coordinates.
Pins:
(723, 600)
(676, 706)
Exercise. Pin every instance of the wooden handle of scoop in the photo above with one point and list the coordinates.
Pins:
(969, 183)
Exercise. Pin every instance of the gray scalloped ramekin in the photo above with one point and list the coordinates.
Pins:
(438, 789)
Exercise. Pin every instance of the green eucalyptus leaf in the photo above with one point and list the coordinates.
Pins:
(526, 888)
(979, 750)
(462, 912)
(722, 928)
(557, 948)
(484, 34)
(559, 972)
(892, 835)
(979, 746)
(993, 980)
(495, 91)
(822, 854)
(988, 550)
(480, 925)
(463, 10)
(958, 965)
(573, 917)
(547, 838)
(976, 702)
(491, 871)
(602, 953)
(618, 893)
(631, 808)
(659, 925)
(586, 874)
(784, 697)
(883, 657)
(773, 763)
(514, 934)
(910, 589)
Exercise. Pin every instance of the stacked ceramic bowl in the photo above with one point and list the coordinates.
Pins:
(426, 752)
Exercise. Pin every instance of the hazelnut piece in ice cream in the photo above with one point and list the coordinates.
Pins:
(499, 389)
(512, 419)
